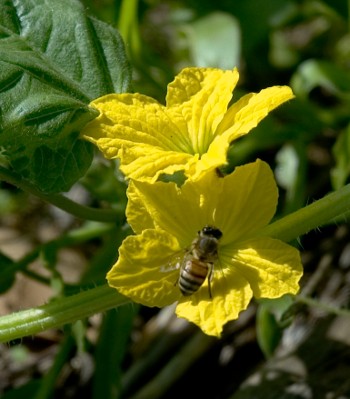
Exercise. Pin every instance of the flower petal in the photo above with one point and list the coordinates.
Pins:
(138, 215)
(147, 163)
(272, 267)
(202, 96)
(231, 295)
(144, 269)
(237, 204)
(215, 157)
(139, 131)
(166, 206)
(246, 113)
(248, 201)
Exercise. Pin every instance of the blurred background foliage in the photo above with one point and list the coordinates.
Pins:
(275, 349)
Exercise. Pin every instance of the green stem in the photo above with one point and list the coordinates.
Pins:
(319, 213)
(59, 312)
(69, 309)
(64, 203)
(128, 26)
(313, 303)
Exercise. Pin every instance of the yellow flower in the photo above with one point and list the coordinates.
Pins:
(166, 220)
(191, 133)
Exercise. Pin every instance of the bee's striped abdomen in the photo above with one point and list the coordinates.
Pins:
(199, 261)
(192, 276)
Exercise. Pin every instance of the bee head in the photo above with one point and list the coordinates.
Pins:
(211, 231)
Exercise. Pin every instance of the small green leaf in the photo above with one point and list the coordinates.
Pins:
(270, 322)
(215, 41)
(54, 59)
(268, 331)
(7, 273)
(323, 74)
(341, 152)
(290, 172)
(287, 166)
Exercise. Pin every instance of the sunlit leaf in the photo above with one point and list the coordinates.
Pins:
(54, 59)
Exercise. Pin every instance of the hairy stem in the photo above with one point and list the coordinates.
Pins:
(69, 309)
(332, 206)
(59, 312)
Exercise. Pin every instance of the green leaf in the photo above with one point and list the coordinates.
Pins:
(268, 332)
(270, 322)
(7, 273)
(318, 73)
(215, 41)
(341, 152)
(290, 172)
(54, 59)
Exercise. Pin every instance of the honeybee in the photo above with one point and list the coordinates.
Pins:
(198, 263)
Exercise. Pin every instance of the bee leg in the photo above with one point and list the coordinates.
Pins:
(210, 277)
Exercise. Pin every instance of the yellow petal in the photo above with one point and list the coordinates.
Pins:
(247, 202)
(139, 131)
(215, 157)
(192, 133)
(143, 271)
(202, 96)
(147, 163)
(123, 116)
(272, 267)
(246, 113)
(138, 215)
(231, 295)
(178, 211)
(238, 204)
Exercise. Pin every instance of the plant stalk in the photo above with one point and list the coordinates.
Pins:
(325, 210)
(59, 312)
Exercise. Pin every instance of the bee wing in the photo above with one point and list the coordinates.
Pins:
(174, 263)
